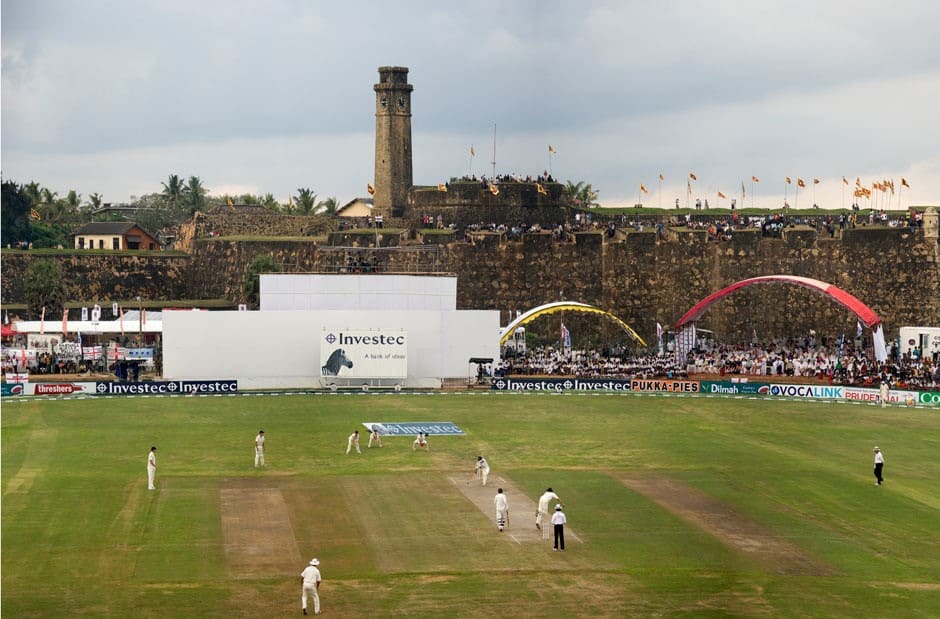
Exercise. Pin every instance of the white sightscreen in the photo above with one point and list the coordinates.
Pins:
(291, 291)
(282, 349)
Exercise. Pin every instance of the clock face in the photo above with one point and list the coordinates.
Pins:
(401, 103)
(383, 102)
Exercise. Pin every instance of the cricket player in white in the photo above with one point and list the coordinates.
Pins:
(374, 437)
(151, 468)
(884, 393)
(259, 449)
(502, 509)
(310, 578)
(353, 442)
(544, 502)
(482, 469)
(420, 441)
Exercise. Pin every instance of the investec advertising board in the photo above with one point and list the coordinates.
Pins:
(363, 353)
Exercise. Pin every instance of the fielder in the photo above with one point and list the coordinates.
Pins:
(502, 509)
(259, 449)
(151, 468)
(482, 469)
(374, 437)
(544, 502)
(421, 441)
(311, 579)
(353, 442)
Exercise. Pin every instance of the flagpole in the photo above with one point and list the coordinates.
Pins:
(661, 192)
(843, 193)
(494, 153)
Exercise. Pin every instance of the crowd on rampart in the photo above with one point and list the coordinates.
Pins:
(835, 363)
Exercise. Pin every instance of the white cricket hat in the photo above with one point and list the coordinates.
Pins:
(314, 562)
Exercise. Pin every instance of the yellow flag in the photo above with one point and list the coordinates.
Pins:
(693, 177)
(643, 189)
(800, 182)
(904, 183)
(370, 189)
(441, 187)
(755, 179)
(721, 195)
(231, 204)
(35, 214)
(551, 149)
(540, 189)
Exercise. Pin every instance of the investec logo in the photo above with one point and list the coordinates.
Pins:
(807, 391)
(365, 340)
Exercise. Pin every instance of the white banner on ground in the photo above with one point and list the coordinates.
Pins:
(363, 353)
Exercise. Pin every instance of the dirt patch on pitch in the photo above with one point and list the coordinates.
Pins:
(759, 544)
(256, 529)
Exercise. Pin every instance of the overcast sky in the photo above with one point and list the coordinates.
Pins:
(112, 96)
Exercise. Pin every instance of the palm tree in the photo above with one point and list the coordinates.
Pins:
(581, 194)
(47, 196)
(174, 189)
(328, 206)
(94, 201)
(33, 192)
(195, 194)
(270, 202)
(248, 198)
(306, 200)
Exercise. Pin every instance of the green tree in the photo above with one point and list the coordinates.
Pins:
(270, 202)
(305, 200)
(32, 191)
(195, 194)
(14, 214)
(263, 263)
(248, 198)
(328, 206)
(44, 287)
(581, 194)
(94, 201)
(173, 190)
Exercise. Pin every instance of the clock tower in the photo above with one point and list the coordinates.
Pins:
(392, 141)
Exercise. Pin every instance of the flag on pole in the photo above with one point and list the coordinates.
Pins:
(539, 188)
(693, 177)
(231, 204)
(688, 186)
(721, 195)
(65, 321)
(799, 181)
(565, 336)
(755, 179)
(845, 181)
(743, 190)
(370, 189)
(661, 177)
(473, 151)
(788, 180)
(858, 181)
(42, 321)
(904, 183)
(551, 149)
(858, 328)
(35, 214)
(815, 181)
(643, 189)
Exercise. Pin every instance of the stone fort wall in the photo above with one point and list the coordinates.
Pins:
(641, 279)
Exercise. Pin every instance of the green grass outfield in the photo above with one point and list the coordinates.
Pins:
(83, 536)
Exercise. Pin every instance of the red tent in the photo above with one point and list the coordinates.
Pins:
(6, 331)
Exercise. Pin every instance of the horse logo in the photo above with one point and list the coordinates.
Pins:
(336, 361)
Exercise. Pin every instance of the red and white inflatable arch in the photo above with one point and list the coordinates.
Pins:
(685, 327)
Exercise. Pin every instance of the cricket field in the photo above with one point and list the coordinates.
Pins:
(677, 506)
